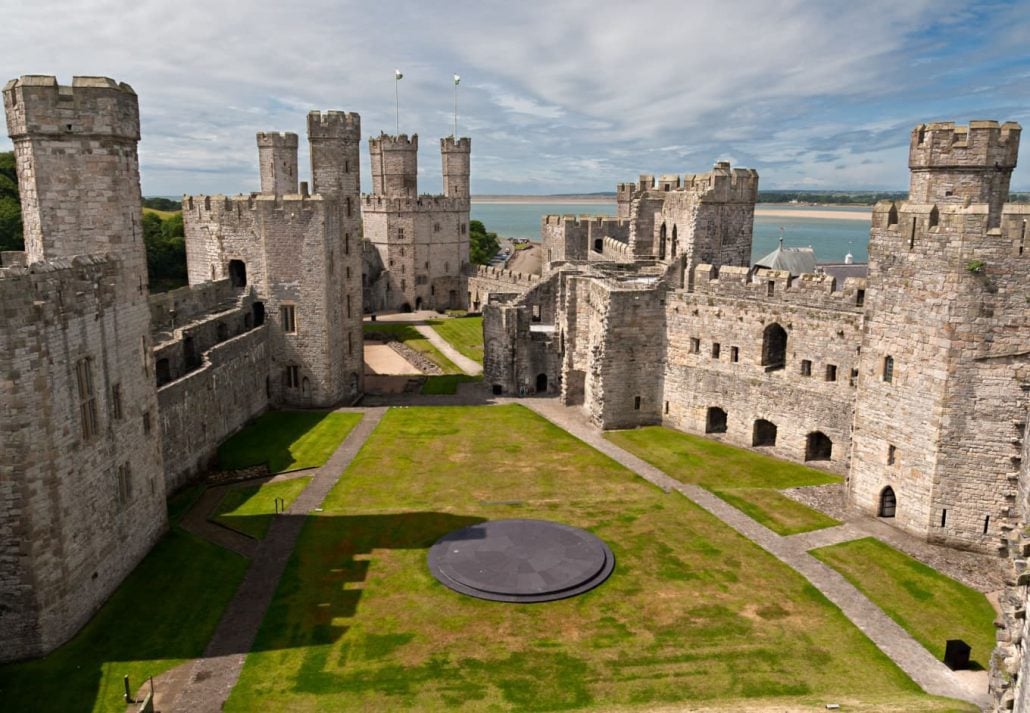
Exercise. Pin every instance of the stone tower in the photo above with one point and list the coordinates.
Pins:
(394, 165)
(301, 254)
(944, 372)
(277, 158)
(82, 494)
(455, 154)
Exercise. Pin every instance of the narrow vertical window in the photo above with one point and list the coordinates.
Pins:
(695, 345)
(348, 305)
(831, 372)
(806, 367)
(715, 350)
(770, 288)
(888, 369)
(734, 354)
(346, 243)
(87, 397)
(123, 483)
(350, 343)
(859, 298)
(636, 403)
(146, 423)
(892, 454)
(288, 315)
(116, 402)
(944, 517)
(987, 523)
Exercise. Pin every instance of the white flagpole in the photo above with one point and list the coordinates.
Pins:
(457, 80)
(397, 76)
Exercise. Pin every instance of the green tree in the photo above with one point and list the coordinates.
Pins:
(482, 245)
(10, 205)
(166, 251)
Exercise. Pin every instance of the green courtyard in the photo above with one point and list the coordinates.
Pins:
(693, 613)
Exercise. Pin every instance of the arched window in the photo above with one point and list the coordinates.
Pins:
(764, 433)
(888, 503)
(238, 273)
(661, 242)
(818, 446)
(715, 421)
(892, 215)
(774, 347)
(935, 217)
(675, 241)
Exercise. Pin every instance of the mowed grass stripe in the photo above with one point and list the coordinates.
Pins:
(287, 440)
(749, 481)
(464, 334)
(693, 611)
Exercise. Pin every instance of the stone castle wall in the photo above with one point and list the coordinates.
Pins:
(484, 281)
(68, 533)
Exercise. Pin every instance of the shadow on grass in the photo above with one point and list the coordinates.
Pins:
(270, 438)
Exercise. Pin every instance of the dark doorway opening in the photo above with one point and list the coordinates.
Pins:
(888, 503)
(541, 383)
(259, 313)
(164, 372)
(818, 446)
(406, 307)
(452, 299)
(715, 421)
(764, 433)
(774, 347)
(238, 273)
(599, 245)
(418, 303)
(189, 353)
(498, 390)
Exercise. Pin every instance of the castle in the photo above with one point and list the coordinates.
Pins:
(913, 382)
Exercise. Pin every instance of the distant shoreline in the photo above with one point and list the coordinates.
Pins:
(529, 200)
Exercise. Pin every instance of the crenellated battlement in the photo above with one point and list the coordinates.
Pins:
(495, 273)
(584, 221)
(981, 144)
(722, 184)
(91, 106)
(334, 125)
(449, 143)
(777, 287)
(229, 210)
(425, 203)
(62, 288)
(277, 139)
(388, 142)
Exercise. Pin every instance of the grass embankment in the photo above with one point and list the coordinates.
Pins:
(163, 614)
(287, 440)
(250, 509)
(693, 611)
(410, 336)
(929, 606)
(464, 334)
(746, 480)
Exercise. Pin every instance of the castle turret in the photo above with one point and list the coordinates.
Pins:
(72, 205)
(455, 155)
(394, 165)
(277, 157)
(963, 164)
(335, 139)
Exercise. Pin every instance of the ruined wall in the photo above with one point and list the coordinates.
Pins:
(483, 281)
(716, 336)
(70, 531)
(201, 409)
(569, 237)
(522, 347)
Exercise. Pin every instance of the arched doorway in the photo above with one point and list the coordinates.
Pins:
(764, 433)
(541, 383)
(238, 273)
(406, 307)
(818, 446)
(774, 347)
(888, 502)
(715, 421)
(598, 245)
(418, 303)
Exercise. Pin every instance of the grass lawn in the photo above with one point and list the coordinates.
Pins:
(162, 214)
(749, 481)
(692, 612)
(929, 606)
(287, 440)
(250, 509)
(447, 384)
(410, 336)
(464, 334)
(162, 614)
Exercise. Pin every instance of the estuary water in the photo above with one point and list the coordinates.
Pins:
(803, 226)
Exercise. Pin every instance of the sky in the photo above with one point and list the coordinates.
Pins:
(558, 97)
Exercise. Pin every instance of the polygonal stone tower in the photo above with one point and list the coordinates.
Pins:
(945, 358)
(455, 154)
(277, 158)
(394, 165)
(82, 493)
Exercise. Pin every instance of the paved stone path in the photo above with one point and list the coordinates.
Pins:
(932, 675)
(469, 366)
(212, 677)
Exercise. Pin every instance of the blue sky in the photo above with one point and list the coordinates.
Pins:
(557, 97)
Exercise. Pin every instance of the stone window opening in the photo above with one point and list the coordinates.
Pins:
(987, 523)
(661, 242)
(258, 310)
(348, 305)
(695, 345)
(853, 379)
(831, 372)
(774, 347)
(87, 397)
(892, 454)
(541, 383)
(350, 344)
(400, 236)
(291, 376)
(763, 434)
(464, 228)
(222, 331)
(734, 354)
(715, 420)
(888, 369)
(349, 207)
(146, 423)
(806, 367)
(888, 503)
(536, 313)
(348, 272)
(1022, 239)
(944, 517)
(892, 215)
(675, 241)
(859, 298)
(346, 243)
(436, 227)
(818, 446)
(935, 217)
(123, 480)
(116, 402)
(238, 273)
(288, 316)
(912, 235)
(163, 371)
(716, 348)
(666, 407)
(599, 245)
(636, 403)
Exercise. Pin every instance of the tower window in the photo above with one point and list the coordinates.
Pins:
(636, 403)
(123, 479)
(288, 315)
(87, 397)
(715, 350)
(888, 369)
(859, 298)
(734, 354)
(774, 347)
(116, 402)
(892, 454)
(831, 372)
(291, 377)
(806, 367)
(695, 345)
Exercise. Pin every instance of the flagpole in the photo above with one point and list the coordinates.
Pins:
(397, 96)
(457, 80)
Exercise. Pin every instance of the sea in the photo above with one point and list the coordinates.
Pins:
(831, 238)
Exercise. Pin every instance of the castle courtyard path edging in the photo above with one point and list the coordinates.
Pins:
(212, 677)
(470, 367)
(932, 675)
